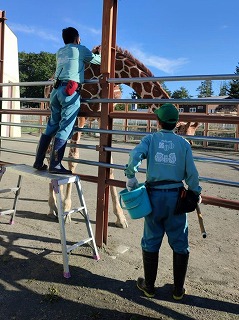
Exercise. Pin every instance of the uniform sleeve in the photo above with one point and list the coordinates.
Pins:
(136, 156)
(192, 177)
(90, 57)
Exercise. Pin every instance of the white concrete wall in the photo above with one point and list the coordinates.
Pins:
(10, 74)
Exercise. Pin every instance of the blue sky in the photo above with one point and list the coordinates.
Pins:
(171, 37)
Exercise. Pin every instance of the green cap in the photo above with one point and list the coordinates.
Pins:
(167, 113)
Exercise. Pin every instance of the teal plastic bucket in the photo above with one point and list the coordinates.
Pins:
(136, 202)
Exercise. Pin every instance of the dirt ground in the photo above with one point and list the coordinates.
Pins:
(32, 286)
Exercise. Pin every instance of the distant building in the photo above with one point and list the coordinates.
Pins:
(209, 108)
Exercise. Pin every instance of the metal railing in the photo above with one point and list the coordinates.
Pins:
(135, 115)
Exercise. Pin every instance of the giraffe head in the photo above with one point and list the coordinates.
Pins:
(187, 128)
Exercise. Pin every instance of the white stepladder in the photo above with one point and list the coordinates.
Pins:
(57, 181)
(15, 190)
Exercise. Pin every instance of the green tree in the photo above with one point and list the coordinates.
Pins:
(163, 85)
(223, 89)
(119, 107)
(134, 95)
(205, 89)
(233, 91)
(34, 67)
(181, 93)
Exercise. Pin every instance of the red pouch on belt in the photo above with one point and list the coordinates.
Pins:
(71, 87)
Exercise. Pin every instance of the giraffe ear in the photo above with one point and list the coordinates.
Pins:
(195, 125)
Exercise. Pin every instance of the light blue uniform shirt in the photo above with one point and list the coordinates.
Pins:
(169, 157)
(71, 60)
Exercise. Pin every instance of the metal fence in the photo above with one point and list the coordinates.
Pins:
(30, 115)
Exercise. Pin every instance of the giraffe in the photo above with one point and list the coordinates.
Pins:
(148, 89)
(126, 66)
(187, 128)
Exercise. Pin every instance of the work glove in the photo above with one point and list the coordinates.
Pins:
(132, 184)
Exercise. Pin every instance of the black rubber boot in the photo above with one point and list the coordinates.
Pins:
(146, 284)
(180, 265)
(43, 145)
(57, 156)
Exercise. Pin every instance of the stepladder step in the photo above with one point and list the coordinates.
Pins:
(78, 244)
(5, 212)
(74, 210)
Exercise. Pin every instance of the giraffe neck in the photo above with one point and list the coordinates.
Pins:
(126, 66)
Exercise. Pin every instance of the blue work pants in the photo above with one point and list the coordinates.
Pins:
(163, 220)
(64, 111)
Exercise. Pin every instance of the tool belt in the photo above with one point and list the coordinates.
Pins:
(187, 201)
(153, 184)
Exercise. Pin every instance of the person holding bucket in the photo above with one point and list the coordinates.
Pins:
(169, 163)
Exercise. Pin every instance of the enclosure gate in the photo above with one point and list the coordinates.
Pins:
(56, 181)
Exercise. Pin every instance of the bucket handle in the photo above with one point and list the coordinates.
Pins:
(130, 201)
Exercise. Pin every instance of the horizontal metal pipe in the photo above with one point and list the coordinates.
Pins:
(24, 125)
(219, 161)
(26, 84)
(17, 139)
(129, 133)
(161, 101)
(205, 199)
(220, 181)
(27, 112)
(25, 153)
(186, 117)
(136, 79)
(37, 83)
(211, 139)
(140, 101)
(175, 78)
(25, 99)
(137, 133)
(122, 167)
(219, 202)
(113, 149)
(82, 146)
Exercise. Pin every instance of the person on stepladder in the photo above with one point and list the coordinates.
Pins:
(169, 163)
(65, 99)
